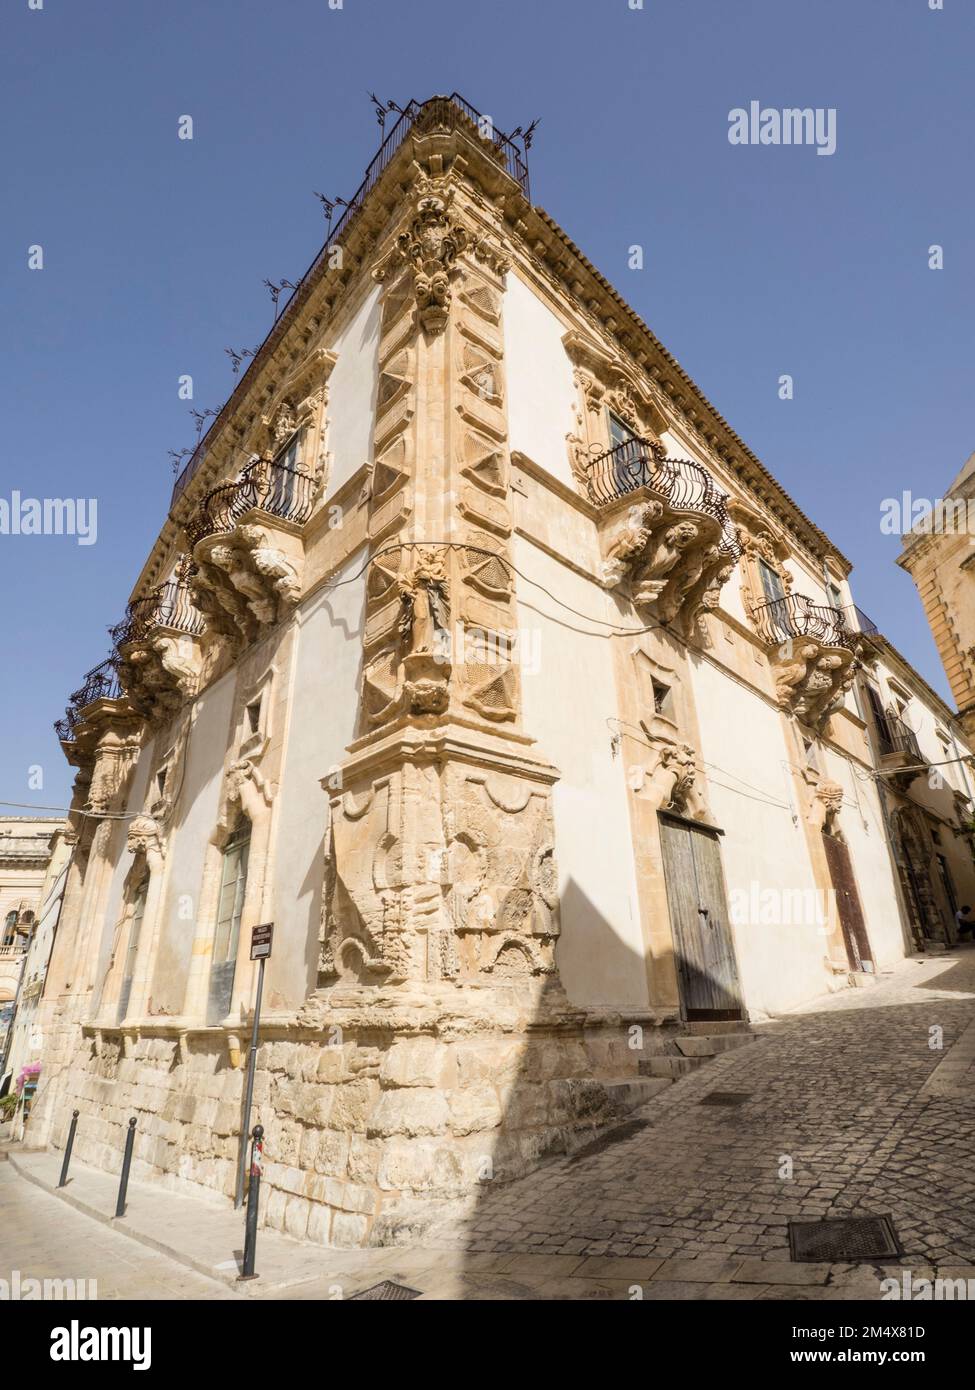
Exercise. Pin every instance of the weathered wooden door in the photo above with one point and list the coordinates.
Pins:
(848, 906)
(707, 970)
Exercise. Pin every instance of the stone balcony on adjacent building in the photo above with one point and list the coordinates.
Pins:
(158, 647)
(245, 538)
(814, 655)
(666, 535)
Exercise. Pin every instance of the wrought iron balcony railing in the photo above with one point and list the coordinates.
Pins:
(795, 615)
(687, 486)
(448, 113)
(861, 622)
(271, 487)
(897, 736)
(101, 683)
(168, 606)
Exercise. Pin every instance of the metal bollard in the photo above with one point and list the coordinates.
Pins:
(67, 1149)
(126, 1165)
(253, 1197)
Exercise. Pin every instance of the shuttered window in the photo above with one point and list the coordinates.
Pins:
(132, 947)
(230, 906)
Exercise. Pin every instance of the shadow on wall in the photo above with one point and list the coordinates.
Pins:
(554, 1081)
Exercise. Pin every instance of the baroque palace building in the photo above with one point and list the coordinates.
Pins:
(479, 655)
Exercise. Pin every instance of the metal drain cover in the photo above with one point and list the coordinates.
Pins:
(848, 1238)
(725, 1098)
(388, 1292)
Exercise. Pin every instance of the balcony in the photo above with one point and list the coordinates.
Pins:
(665, 531)
(814, 655)
(247, 549)
(101, 692)
(158, 649)
(900, 755)
(435, 117)
(795, 615)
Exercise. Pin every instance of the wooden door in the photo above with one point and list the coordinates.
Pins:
(854, 927)
(707, 970)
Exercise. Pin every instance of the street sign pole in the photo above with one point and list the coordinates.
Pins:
(260, 951)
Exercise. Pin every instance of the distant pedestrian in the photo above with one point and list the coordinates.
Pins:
(965, 921)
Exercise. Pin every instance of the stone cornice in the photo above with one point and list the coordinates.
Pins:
(324, 295)
(552, 250)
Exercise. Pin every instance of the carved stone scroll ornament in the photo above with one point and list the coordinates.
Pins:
(430, 246)
(246, 790)
(811, 681)
(628, 541)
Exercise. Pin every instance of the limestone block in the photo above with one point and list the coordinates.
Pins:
(276, 1205)
(353, 1104)
(545, 1059)
(414, 1062)
(487, 1061)
(420, 1166)
(333, 1153)
(364, 1158)
(319, 1224)
(474, 1108)
(296, 1215)
(410, 1111)
(331, 1064)
(349, 1197)
(317, 1103)
(349, 1230)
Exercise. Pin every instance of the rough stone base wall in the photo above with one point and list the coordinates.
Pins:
(369, 1134)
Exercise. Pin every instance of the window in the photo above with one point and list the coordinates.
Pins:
(10, 928)
(253, 717)
(132, 948)
(161, 781)
(284, 479)
(772, 584)
(662, 698)
(230, 906)
(834, 596)
(619, 431)
(812, 755)
(884, 736)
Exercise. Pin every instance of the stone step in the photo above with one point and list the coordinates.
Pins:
(631, 1093)
(669, 1065)
(700, 1045)
(863, 979)
(714, 1026)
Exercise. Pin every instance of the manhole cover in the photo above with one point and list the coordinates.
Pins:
(387, 1291)
(726, 1097)
(849, 1238)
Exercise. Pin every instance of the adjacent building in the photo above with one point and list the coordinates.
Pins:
(25, 853)
(939, 557)
(480, 656)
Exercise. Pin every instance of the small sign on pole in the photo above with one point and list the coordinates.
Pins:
(261, 941)
(261, 952)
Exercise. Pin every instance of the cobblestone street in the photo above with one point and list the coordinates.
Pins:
(681, 1201)
(872, 1119)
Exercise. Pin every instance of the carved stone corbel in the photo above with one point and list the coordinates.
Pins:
(826, 805)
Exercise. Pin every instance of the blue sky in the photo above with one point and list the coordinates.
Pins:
(759, 261)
